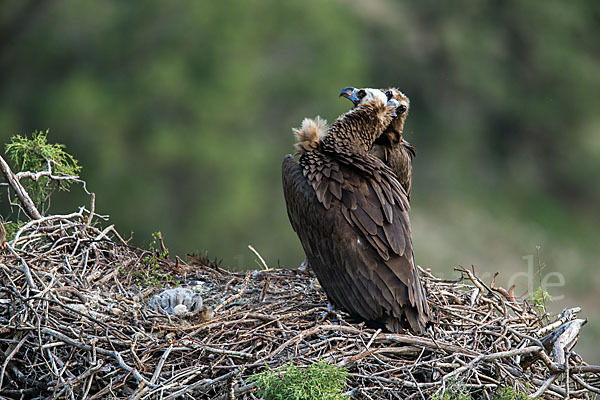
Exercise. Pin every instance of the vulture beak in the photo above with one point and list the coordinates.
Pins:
(394, 103)
(350, 94)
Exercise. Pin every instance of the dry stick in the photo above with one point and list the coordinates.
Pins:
(94, 361)
(393, 337)
(240, 390)
(407, 339)
(21, 193)
(105, 352)
(508, 294)
(377, 332)
(104, 232)
(161, 362)
(2, 236)
(88, 316)
(262, 260)
(42, 220)
(566, 339)
(24, 268)
(140, 392)
(202, 385)
(491, 357)
(102, 392)
(10, 356)
(565, 316)
(90, 371)
(35, 176)
(583, 369)
(567, 375)
(544, 387)
(91, 215)
(585, 385)
(233, 353)
(235, 296)
(163, 248)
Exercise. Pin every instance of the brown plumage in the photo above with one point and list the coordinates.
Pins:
(351, 215)
(392, 148)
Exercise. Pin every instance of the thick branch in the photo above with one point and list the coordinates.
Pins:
(557, 343)
(22, 195)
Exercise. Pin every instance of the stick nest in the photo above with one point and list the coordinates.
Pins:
(75, 322)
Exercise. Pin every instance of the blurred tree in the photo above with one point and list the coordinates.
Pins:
(180, 113)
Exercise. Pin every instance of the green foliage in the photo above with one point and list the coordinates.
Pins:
(319, 381)
(458, 391)
(35, 154)
(540, 299)
(157, 249)
(151, 271)
(11, 229)
(152, 274)
(509, 393)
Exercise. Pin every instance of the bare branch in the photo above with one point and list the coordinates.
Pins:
(22, 195)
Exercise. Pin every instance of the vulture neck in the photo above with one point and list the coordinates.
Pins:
(394, 132)
(357, 130)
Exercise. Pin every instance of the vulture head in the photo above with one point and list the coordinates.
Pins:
(360, 96)
(357, 96)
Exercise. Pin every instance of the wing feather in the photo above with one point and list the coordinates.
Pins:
(355, 231)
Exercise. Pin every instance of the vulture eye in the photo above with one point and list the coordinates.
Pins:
(401, 109)
(361, 93)
(389, 94)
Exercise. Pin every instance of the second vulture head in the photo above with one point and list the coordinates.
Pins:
(393, 133)
(390, 96)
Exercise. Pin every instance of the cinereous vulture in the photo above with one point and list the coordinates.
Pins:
(351, 215)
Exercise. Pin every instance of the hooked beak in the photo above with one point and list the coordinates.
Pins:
(350, 94)
(394, 103)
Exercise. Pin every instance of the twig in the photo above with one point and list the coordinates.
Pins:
(542, 389)
(235, 296)
(491, 357)
(10, 356)
(24, 267)
(508, 294)
(262, 260)
(161, 362)
(111, 353)
(565, 316)
(585, 385)
(91, 214)
(377, 332)
(2, 236)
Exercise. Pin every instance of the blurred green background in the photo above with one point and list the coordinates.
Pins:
(181, 112)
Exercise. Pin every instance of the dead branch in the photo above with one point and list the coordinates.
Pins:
(22, 195)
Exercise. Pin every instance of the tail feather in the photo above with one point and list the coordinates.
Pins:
(309, 134)
(412, 321)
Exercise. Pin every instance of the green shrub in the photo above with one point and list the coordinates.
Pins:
(508, 393)
(12, 228)
(151, 271)
(458, 391)
(34, 155)
(455, 391)
(319, 381)
(540, 300)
